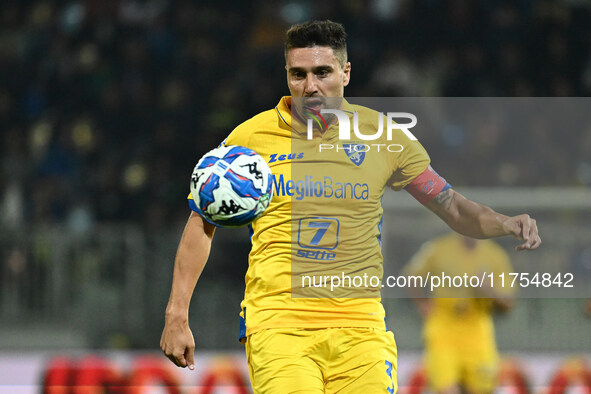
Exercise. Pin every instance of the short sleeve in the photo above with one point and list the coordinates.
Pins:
(408, 164)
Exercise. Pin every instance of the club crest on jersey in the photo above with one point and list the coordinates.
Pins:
(355, 152)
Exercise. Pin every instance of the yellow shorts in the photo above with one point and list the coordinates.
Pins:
(474, 369)
(328, 360)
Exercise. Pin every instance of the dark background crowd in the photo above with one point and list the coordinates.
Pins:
(105, 106)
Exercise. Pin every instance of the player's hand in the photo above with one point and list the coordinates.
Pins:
(523, 228)
(177, 342)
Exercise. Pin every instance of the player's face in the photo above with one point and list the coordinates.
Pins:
(316, 75)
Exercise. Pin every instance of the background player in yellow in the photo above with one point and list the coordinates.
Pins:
(304, 344)
(460, 349)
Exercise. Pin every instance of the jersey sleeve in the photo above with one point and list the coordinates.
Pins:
(411, 169)
(427, 185)
(407, 164)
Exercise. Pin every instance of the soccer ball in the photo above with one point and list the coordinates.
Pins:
(231, 186)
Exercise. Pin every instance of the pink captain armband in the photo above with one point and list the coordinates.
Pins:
(427, 185)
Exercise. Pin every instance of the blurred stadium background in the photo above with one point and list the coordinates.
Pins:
(105, 107)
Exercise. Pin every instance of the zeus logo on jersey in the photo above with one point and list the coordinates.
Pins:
(290, 156)
(327, 188)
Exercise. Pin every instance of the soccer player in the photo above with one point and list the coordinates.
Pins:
(328, 200)
(460, 349)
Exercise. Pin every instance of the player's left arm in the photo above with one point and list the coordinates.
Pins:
(468, 217)
(479, 221)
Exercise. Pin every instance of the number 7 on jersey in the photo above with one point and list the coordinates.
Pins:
(318, 233)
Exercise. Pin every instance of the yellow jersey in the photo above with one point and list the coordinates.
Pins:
(458, 314)
(323, 221)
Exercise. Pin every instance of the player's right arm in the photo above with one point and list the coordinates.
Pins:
(177, 340)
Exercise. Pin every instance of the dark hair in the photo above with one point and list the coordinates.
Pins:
(318, 33)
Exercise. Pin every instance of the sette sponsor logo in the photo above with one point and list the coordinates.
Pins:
(316, 254)
(289, 156)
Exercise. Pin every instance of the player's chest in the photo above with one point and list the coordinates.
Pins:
(308, 172)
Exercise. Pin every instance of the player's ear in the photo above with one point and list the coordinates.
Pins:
(346, 73)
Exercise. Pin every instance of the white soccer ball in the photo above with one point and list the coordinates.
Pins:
(231, 186)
